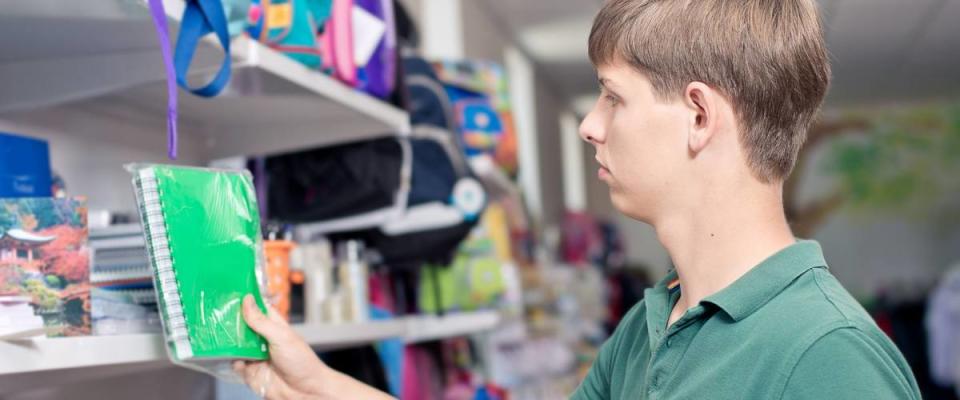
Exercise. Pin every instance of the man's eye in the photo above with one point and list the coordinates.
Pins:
(612, 100)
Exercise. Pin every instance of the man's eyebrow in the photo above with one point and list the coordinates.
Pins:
(606, 83)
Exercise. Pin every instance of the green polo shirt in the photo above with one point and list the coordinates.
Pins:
(785, 330)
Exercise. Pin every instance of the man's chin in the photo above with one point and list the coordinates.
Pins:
(629, 207)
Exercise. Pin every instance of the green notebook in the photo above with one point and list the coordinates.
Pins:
(203, 233)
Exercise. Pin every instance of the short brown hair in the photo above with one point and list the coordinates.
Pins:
(766, 56)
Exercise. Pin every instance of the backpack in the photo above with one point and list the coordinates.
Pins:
(437, 198)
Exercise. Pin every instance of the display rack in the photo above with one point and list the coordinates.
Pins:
(37, 360)
(88, 72)
(92, 70)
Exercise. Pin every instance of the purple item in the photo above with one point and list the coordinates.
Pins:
(163, 34)
(390, 59)
(375, 76)
(261, 184)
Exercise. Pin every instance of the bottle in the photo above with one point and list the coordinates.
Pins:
(278, 275)
(317, 260)
(353, 273)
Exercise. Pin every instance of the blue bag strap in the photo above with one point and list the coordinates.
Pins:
(163, 34)
(200, 18)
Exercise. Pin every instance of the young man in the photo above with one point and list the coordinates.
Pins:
(704, 107)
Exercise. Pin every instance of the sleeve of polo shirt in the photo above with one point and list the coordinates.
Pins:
(844, 364)
(596, 386)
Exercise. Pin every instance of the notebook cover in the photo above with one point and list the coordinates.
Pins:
(213, 232)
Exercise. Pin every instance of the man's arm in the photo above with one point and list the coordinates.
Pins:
(596, 386)
(847, 364)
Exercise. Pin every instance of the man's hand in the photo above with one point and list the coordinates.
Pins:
(294, 371)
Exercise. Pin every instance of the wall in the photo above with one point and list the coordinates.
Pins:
(91, 161)
(484, 37)
(413, 8)
(870, 251)
(550, 105)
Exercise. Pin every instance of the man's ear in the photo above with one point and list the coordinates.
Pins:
(702, 101)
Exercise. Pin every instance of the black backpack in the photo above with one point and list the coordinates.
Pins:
(413, 198)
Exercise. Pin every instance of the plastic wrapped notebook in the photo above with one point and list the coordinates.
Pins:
(202, 229)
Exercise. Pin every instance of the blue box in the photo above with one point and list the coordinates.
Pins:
(24, 167)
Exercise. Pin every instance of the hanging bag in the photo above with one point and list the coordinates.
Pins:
(337, 43)
(200, 17)
(375, 46)
(341, 188)
(445, 199)
(290, 27)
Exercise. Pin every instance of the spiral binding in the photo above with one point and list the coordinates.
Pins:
(159, 245)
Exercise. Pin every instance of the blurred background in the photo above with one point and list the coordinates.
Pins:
(508, 299)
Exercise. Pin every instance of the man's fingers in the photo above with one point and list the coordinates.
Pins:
(259, 377)
(238, 367)
(274, 316)
(260, 323)
(249, 372)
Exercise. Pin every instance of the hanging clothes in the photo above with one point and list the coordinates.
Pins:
(904, 323)
(943, 330)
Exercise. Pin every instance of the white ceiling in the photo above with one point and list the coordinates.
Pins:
(882, 50)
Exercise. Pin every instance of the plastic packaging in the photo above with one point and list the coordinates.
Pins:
(202, 229)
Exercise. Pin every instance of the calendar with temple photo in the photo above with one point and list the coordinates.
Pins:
(44, 267)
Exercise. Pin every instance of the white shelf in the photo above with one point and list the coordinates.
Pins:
(26, 363)
(89, 352)
(427, 328)
(88, 72)
(33, 363)
(331, 337)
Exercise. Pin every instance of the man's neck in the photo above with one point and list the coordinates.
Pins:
(718, 241)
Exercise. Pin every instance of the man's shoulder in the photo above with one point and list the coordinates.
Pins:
(837, 339)
(815, 315)
(812, 306)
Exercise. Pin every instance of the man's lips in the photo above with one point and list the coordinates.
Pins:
(602, 165)
(603, 172)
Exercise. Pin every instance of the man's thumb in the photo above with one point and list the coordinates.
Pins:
(258, 321)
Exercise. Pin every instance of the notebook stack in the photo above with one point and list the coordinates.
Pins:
(123, 296)
(17, 318)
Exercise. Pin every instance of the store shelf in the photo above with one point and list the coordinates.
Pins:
(331, 337)
(427, 328)
(88, 352)
(88, 72)
(35, 363)
(24, 363)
